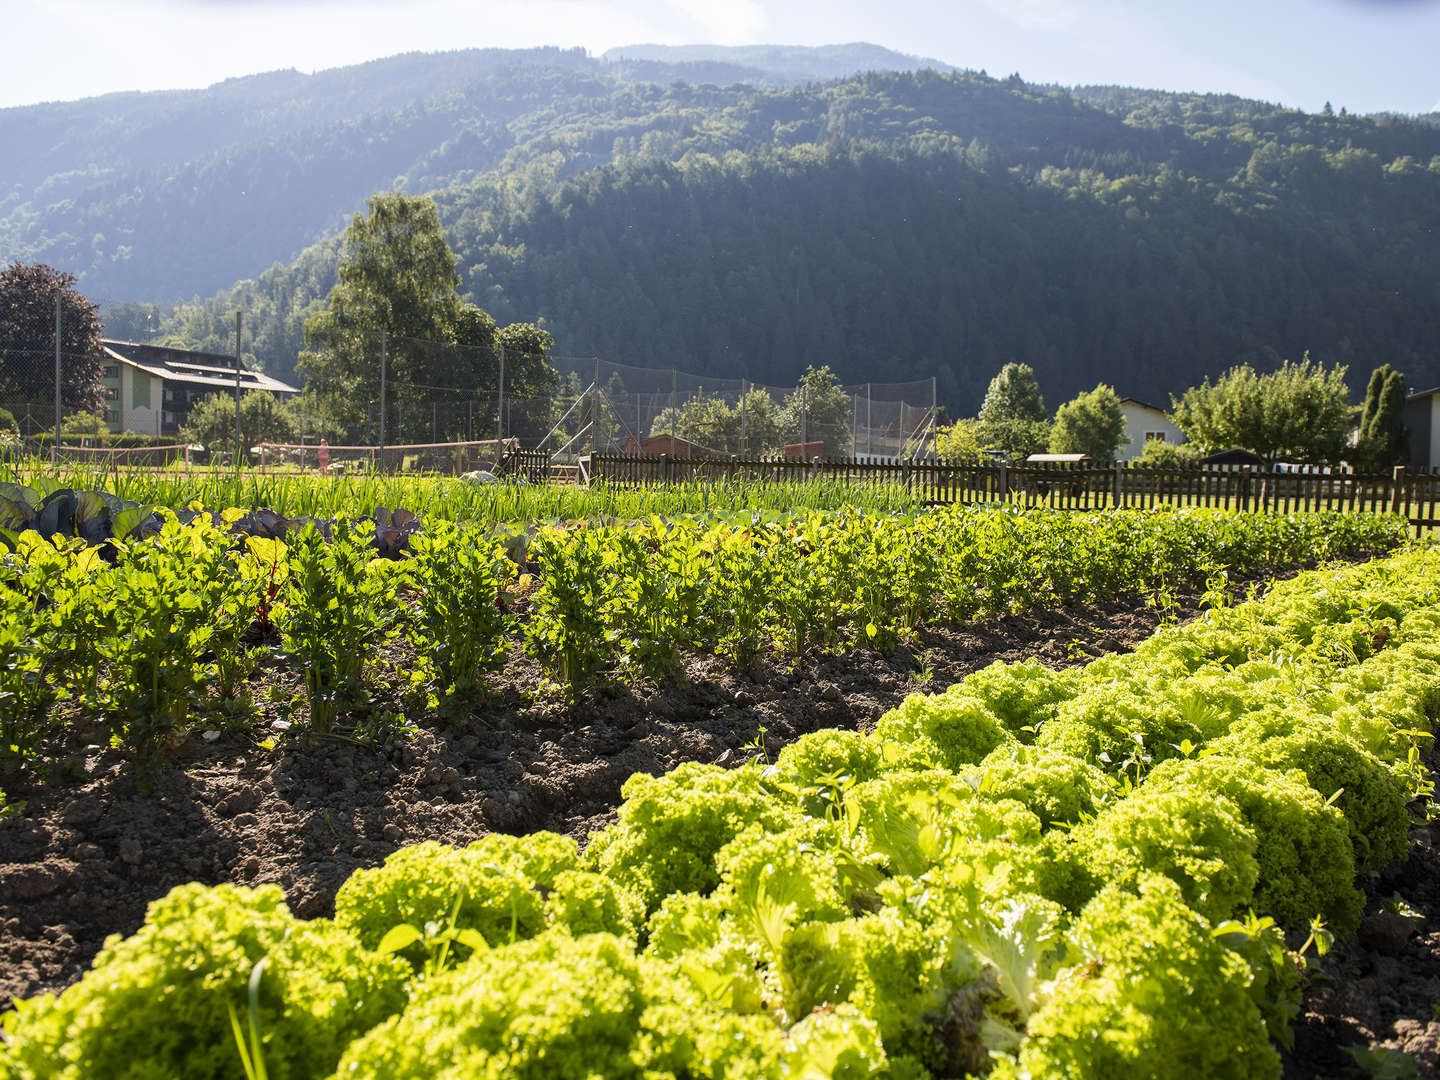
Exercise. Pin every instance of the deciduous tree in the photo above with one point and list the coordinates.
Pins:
(1299, 413)
(820, 410)
(27, 339)
(1090, 423)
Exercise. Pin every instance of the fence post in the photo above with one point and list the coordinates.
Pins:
(1004, 482)
(1118, 487)
(665, 468)
(1397, 482)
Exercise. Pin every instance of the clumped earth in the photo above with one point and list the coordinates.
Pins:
(94, 845)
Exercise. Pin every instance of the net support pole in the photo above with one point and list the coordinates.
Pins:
(804, 419)
(595, 411)
(500, 404)
(383, 344)
(744, 443)
(934, 406)
(238, 439)
(869, 430)
(674, 406)
(59, 327)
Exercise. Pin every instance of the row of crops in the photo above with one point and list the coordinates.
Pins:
(1086, 873)
(145, 637)
(453, 498)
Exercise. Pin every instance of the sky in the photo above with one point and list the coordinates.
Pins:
(1364, 55)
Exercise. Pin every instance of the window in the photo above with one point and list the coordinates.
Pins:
(112, 416)
(111, 371)
(1154, 436)
(112, 393)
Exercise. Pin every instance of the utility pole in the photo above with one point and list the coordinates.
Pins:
(55, 446)
(238, 438)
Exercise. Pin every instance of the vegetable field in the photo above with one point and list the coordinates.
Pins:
(1107, 866)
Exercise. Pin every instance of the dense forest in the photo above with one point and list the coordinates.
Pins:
(892, 224)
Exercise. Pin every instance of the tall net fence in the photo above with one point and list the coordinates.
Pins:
(392, 402)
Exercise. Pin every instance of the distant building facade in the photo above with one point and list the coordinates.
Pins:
(1145, 423)
(1422, 417)
(150, 389)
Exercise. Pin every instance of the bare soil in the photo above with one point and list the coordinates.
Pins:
(94, 844)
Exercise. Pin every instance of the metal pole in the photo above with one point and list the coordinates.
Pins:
(674, 407)
(500, 418)
(804, 419)
(595, 410)
(934, 408)
(854, 424)
(382, 398)
(869, 429)
(744, 441)
(55, 446)
(238, 437)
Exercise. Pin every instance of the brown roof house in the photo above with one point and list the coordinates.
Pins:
(150, 389)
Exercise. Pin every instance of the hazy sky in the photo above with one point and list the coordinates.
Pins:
(1367, 55)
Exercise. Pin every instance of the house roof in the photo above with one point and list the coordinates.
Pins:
(1142, 404)
(192, 368)
(1424, 393)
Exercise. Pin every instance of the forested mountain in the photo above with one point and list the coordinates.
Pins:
(178, 193)
(893, 225)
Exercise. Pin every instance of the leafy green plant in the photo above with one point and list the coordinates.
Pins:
(337, 609)
(459, 577)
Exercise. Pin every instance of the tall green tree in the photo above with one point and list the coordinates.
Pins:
(530, 381)
(28, 296)
(1300, 413)
(1384, 440)
(397, 276)
(1012, 419)
(1090, 423)
(820, 409)
(1013, 394)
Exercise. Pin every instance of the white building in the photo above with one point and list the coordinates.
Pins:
(149, 389)
(1143, 423)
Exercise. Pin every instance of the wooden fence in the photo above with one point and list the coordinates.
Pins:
(1414, 494)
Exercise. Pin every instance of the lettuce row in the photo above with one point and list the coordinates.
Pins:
(1033, 874)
